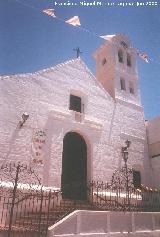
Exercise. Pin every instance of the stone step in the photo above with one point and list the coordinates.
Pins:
(52, 212)
(72, 202)
(76, 204)
(30, 220)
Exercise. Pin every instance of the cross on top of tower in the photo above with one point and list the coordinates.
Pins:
(78, 52)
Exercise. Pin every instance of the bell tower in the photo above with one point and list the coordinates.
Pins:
(116, 68)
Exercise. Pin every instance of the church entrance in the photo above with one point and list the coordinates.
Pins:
(74, 167)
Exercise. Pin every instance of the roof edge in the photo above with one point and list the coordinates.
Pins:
(39, 71)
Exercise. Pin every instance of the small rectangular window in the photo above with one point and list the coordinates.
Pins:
(120, 56)
(136, 179)
(104, 61)
(122, 82)
(131, 88)
(75, 103)
(128, 60)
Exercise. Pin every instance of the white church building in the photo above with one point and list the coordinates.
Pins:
(71, 126)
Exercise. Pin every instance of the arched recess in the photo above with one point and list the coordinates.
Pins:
(74, 167)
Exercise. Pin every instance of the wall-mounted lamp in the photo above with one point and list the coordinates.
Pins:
(128, 143)
(25, 116)
(125, 150)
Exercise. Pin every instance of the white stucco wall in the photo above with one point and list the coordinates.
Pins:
(153, 134)
(105, 125)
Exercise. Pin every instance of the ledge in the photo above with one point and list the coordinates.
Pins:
(60, 114)
(94, 123)
(107, 223)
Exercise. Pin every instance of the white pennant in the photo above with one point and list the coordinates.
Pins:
(74, 21)
(49, 12)
(144, 57)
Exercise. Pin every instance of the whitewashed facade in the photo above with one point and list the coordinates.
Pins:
(153, 135)
(111, 114)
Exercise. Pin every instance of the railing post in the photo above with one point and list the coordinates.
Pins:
(13, 200)
(40, 215)
(125, 158)
(48, 211)
(127, 187)
(90, 191)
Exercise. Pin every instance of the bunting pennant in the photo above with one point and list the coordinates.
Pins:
(144, 57)
(74, 21)
(107, 37)
(49, 12)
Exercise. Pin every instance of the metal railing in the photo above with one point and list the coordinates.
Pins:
(34, 211)
(27, 210)
(106, 196)
(31, 214)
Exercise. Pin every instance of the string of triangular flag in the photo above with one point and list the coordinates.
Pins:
(143, 56)
(75, 21)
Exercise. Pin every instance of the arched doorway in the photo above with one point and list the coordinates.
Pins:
(74, 167)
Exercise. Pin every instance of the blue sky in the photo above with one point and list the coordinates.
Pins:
(31, 40)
